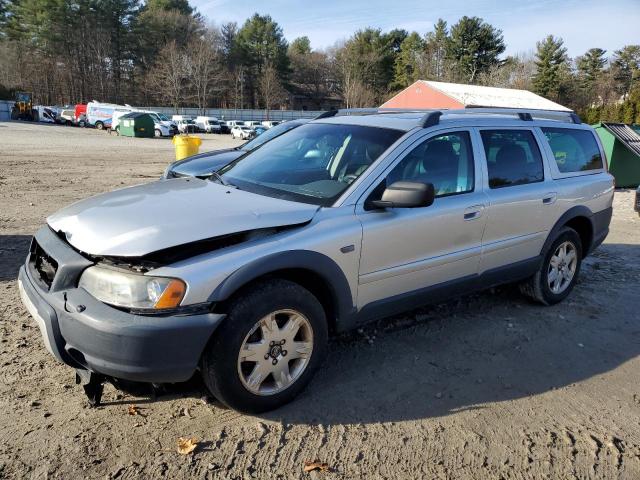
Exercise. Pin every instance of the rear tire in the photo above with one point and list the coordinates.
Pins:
(237, 365)
(559, 270)
(99, 125)
(158, 133)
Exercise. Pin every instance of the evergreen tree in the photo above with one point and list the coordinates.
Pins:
(409, 61)
(590, 67)
(626, 68)
(551, 63)
(474, 47)
(300, 46)
(436, 46)
(260, 41)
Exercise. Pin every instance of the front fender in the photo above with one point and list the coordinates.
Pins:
(318, 263)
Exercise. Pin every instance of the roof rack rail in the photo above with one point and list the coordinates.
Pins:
(431, 117)
(329, 113)
(525, 114)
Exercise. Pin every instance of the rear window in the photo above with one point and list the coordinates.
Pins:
(513, 157)
(574, 150)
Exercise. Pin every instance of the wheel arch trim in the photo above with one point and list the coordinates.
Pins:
(320, 264)
(579, 211)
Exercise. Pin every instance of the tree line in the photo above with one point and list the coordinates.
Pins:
(165, 52)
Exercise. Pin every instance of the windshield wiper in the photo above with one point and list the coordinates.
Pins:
(220, 179)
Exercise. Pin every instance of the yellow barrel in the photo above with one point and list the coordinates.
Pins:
(186, 145)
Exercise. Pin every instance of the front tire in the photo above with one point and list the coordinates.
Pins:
(559, 270)
(100, 125)
(268, 348)
(158, 133)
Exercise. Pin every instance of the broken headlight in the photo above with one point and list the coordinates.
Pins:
(131, 290)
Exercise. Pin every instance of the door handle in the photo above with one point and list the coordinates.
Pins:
(550, 198)
(471, 213)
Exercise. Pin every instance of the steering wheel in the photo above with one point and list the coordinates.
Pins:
(349, 178)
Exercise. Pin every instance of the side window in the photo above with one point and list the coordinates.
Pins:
(513, 157)
(445, 160)
(574, 150)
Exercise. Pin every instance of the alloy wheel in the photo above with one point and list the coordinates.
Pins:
(562, 267)
(275, 352)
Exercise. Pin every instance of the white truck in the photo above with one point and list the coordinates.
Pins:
(208, 124)
(100, 114)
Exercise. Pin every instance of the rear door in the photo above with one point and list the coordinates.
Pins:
(522, 197)
(405, 250)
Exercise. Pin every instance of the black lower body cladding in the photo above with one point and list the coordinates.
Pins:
(83, 332)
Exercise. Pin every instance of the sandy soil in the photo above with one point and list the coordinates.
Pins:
(487, 386)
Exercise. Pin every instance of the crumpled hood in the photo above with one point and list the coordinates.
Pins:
(139, 220)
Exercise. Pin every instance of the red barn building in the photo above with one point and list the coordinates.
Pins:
(428, 94)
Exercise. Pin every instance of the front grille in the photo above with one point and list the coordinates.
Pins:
(42, 265)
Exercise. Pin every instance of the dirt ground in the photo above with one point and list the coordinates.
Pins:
(486, 386)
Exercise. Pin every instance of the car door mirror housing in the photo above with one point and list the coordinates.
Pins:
(406, 195)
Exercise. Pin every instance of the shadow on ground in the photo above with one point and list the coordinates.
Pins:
(13, 251)
(489, 347)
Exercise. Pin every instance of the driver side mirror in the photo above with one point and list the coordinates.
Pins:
(406, 195)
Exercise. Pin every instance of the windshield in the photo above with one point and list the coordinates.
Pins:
(313, 163)
(163, 117)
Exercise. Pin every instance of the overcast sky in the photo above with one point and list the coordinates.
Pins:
(582, 24)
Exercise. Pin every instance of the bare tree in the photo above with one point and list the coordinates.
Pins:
(170, 75)
(355, 92)
(270, 88)
(203, 66)
(312, 75)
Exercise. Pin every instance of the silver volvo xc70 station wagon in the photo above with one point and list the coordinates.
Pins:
(346, 219)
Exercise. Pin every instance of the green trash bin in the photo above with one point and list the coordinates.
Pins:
(136, 124)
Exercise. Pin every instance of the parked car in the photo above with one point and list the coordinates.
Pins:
(259, 130)
(243, 133)
(203, 164)
(45, 114)
(224, 128)
(66, 117)
(208, 124)
(252, 123)
(163, 126)
(234, 123)
(340, 221)
(270, 123)
(187, 126)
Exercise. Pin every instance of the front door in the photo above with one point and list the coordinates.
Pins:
(405, 250)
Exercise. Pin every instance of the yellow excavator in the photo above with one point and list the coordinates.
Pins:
(23, 108)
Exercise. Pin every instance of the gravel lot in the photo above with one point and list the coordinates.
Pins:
(487, 386)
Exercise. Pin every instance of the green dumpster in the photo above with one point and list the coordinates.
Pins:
(622, 146)
(136, 124)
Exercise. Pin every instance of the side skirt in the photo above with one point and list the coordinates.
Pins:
(440, 292)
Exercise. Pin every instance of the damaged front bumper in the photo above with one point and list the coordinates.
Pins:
(83, 332)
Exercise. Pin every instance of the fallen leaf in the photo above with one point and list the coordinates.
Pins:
(316, 466)
(132, 409)
(186, 445)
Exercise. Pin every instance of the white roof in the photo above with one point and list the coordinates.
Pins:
(477, 96)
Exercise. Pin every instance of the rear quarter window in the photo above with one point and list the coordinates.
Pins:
(574, 150)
